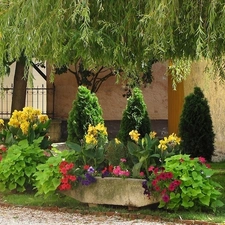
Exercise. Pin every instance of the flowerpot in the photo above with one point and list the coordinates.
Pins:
(112, 191)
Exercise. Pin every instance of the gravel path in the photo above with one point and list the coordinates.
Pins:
(25, 216)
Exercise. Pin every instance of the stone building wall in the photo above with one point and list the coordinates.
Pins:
(110, 96)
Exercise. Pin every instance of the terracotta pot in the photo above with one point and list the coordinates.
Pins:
(112, 191)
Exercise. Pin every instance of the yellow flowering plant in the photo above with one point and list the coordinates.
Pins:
(27, 124)
(92, 148)
(149, 150)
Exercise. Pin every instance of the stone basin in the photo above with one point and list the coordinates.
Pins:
(112, 191)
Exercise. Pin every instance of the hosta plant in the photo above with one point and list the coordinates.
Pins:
(19, 165)
(48, 175)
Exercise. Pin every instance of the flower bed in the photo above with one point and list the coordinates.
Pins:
(112, 191)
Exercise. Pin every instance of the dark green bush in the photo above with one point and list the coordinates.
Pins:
(195, 128)
(135, 117)
(85, 110)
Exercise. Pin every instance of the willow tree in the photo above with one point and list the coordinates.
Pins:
(118, 34)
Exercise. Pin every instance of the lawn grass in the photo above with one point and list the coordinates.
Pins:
(60, 201)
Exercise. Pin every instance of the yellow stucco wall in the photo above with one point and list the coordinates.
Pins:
(214, 91)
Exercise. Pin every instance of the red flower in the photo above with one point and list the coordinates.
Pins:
(3, 148)
(172, 187)
(169, 175)
(111, 167)
(163, 191)
(63, 170)
(62, 164)
(166, 198)
(163, 176)
(104, 170)
(207, 165)
(86, 167)
(157, 188)
(154, 182)
(64, 180)
(69, 166)
(72, 178)
(66, 186)
(156, 170)
(177, 182)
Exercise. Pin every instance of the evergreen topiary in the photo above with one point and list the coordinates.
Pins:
(135, 117)
(86, 110)
(195, 128)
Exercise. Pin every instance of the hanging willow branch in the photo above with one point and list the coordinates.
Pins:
(120, 34)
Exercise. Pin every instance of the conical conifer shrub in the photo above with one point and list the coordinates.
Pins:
(135, 117)
(196, 128)
(85, 110)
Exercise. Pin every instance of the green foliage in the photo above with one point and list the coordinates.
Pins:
(86, 110)
(115, 150)
(103, 33)
(47, 176)
(197, 189)
(27, 124)
(135, 117)
(150, 151)
(92, 149)
(19, 165)
(196, 128)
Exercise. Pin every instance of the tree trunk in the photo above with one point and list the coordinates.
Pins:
(19, 87)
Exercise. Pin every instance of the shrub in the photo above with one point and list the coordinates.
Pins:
(185, 183)
(85, 111)
(135, 117)
(195, 128)
(48, 175)
(19, 165)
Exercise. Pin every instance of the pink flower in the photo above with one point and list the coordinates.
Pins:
(166, 198)
(172, 187)
(123, 160)
(142, 174)
(202, 159)
(169, 175)
(151, 168)
(154, 182)
(116, 170)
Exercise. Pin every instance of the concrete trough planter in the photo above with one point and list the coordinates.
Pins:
(112, 191)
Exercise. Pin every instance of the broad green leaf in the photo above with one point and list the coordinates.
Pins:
(12, 186)
(21, 181)
(205, 200)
